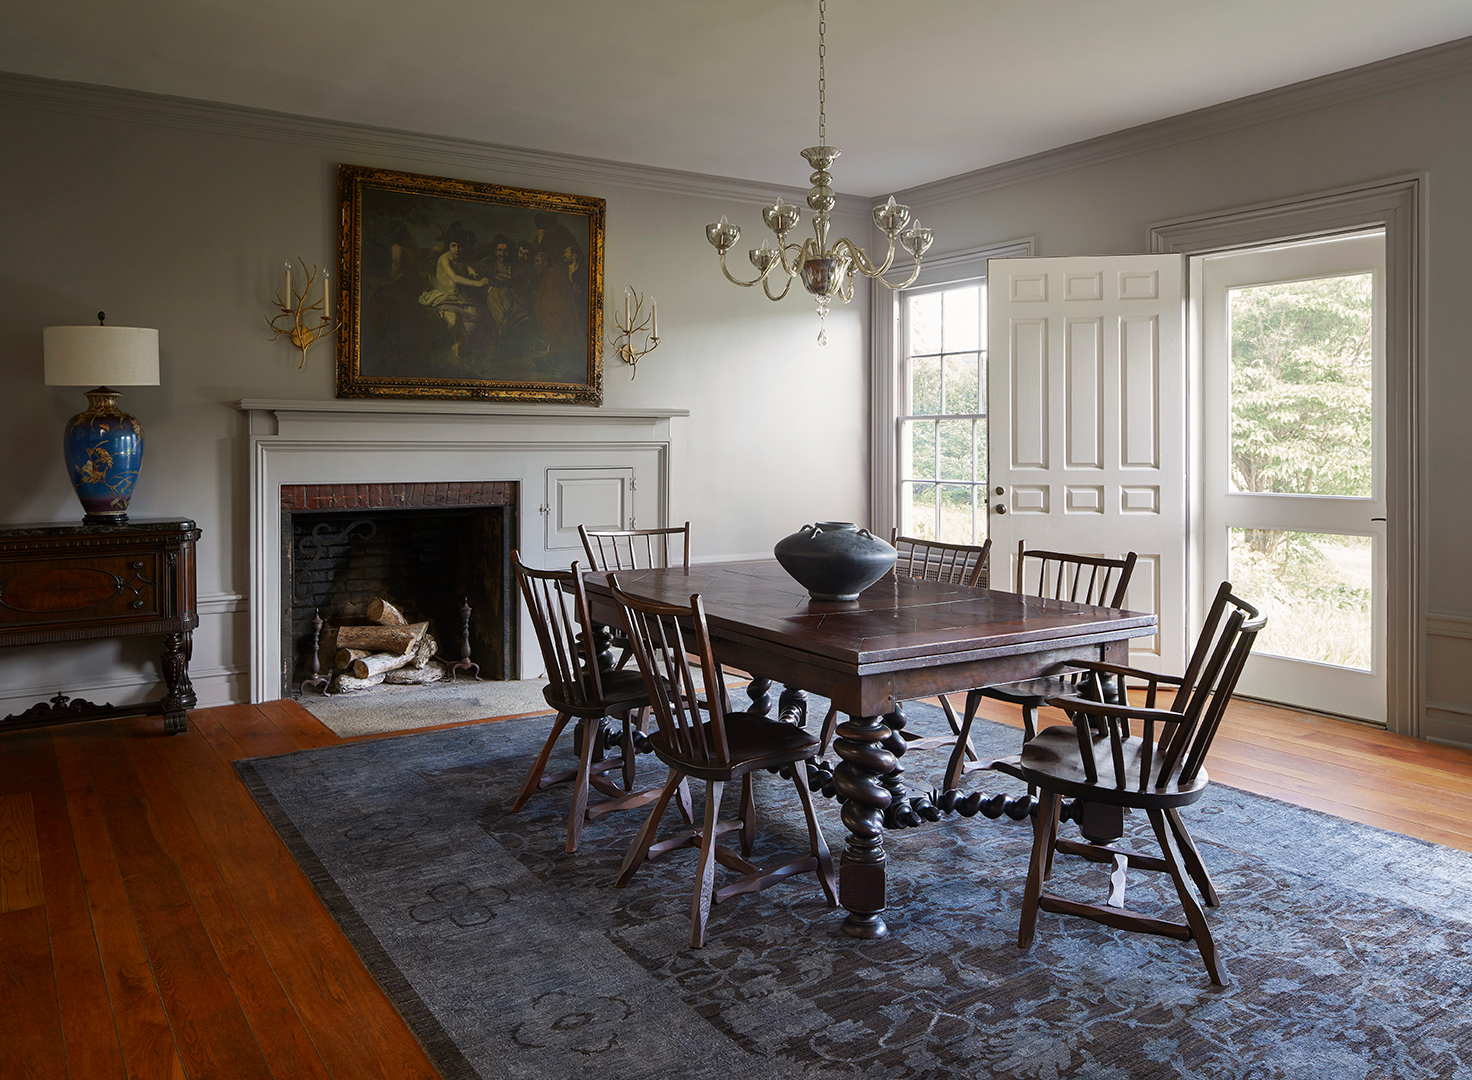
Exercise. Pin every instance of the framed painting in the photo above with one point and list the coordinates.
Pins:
(456, 289)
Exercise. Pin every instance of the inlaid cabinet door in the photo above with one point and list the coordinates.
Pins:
(1086, 403)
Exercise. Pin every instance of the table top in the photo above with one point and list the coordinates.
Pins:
(896, 623)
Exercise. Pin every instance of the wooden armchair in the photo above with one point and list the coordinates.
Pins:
(576, 688)
(704, 739)
(1082, 579)
(1157, 767)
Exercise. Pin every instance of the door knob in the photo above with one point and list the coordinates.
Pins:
(1000, 509)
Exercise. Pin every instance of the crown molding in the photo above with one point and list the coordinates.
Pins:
(1383, 76)
(374, 143)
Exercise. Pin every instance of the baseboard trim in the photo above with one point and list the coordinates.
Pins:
(213, 686)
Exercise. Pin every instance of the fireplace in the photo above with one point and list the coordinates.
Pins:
(426, 547)
(554, 467)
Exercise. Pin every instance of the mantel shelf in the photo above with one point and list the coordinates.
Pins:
(414, 409)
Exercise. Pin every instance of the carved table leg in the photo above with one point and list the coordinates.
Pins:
(758, 690)
(180, 697)
(792, 706)
(859, 778)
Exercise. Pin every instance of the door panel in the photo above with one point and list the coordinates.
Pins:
(1086, 393)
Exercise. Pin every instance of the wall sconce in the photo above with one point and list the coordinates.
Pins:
(635, 322)
(301, 331)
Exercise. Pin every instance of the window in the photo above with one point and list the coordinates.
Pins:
(941, 422)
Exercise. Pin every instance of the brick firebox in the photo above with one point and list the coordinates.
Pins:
(424, 546)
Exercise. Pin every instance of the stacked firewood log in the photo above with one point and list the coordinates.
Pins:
(390, 649)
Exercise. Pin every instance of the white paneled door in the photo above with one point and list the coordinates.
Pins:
(1086, 395)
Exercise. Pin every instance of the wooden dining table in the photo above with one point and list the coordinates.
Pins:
(902, 639)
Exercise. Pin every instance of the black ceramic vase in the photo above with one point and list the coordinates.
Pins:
(834, 560)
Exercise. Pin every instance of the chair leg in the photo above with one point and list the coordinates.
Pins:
(830, 725)
(1045, 829)
(579, 810)
(748, 816)
(945, 703)
(1195, 917)
(685, 803)
(817, 845)
(629, 753)
(956, 766)
(1192, 858)
(644, 839)
(1029, 722)
(534, 775)
(705, 867)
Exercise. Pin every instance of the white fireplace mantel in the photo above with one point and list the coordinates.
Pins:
(346, 441)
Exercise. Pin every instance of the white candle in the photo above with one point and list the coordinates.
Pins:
(288, 281)
(654, 318)
(326, 299)
(626, 309)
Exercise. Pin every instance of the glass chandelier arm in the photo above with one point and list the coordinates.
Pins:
(767, 288)
(915, 273)
(760, 277)
(862, 261)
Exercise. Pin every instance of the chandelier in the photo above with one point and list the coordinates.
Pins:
(826, 270)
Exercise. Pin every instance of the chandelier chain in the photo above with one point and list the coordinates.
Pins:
(822, 87)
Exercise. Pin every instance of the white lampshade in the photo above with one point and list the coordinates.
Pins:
(101, 356)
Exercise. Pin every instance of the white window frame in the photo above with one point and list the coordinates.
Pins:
(886, 371)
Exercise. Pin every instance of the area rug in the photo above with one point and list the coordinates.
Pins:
(1350, 948)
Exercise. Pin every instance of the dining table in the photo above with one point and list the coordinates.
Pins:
(901, 640)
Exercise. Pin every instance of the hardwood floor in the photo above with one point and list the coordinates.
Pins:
(153, 926)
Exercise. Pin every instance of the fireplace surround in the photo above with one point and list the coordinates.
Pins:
(604, 467)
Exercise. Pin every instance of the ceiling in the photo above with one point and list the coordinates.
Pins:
(917, 91)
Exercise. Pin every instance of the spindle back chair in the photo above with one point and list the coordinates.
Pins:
(701, 737)
(558, 605)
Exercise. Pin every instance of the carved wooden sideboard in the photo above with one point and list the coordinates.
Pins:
(78, 582)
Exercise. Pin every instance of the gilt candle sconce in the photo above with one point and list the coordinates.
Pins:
(300, 327)
(633, 323)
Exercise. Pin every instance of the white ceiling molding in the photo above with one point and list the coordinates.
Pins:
(1410, 69)
(373, 143)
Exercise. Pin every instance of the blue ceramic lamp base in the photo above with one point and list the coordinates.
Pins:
(103, 447)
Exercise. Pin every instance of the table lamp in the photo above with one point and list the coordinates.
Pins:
(103, 446)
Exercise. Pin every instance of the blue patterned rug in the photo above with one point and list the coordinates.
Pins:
(1350, 948)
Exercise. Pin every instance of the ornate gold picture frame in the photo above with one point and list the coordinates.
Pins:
(456, 289)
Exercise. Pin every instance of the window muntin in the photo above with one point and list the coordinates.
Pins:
(942, 423)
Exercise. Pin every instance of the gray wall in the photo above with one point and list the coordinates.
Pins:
(179, 216)
(1107, 208)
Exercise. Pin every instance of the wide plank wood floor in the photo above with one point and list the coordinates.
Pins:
(153, 926)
